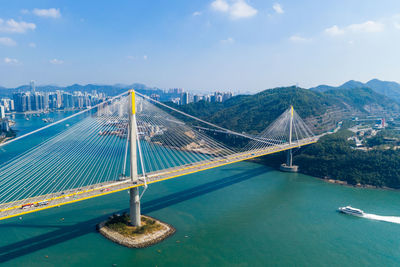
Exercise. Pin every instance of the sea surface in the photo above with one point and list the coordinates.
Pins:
(244, 214)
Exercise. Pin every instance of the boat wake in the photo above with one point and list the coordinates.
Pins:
(392, 219)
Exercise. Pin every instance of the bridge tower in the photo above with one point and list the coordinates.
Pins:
(288, 166)
(134, 202)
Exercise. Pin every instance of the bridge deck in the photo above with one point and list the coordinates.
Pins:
(8, 210)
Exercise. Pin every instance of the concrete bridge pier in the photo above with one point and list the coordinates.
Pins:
(134, 206)
(288, 166)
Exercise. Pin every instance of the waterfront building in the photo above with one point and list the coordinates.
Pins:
(7, 103)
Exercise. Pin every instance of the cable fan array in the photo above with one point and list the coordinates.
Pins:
(167, 142)
(278, 133)
(94, 151)
(89, 152)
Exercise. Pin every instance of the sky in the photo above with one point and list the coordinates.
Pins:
(199, 45)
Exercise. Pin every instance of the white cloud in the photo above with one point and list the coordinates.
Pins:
(33, 45)
(220, 5)
(299, 39)
(229, 40)
(24, 11)
(13, 26)
(47, 13)
(334, 31)
(366, 27)
(240, 9)
(8, 60)
(7, 41)
(278, 8)
(56, 61)
(237, 9)
(196, 13)
(145, 57)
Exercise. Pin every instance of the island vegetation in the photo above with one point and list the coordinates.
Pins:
(121, 224)
(119, 230)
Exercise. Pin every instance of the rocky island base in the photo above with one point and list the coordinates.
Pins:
(118, 229)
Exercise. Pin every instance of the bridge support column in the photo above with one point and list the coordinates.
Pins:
(134, 206)
(134, 203)
(289, 159)
(288, 166)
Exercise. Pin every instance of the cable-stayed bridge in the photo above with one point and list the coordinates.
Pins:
(125, 143)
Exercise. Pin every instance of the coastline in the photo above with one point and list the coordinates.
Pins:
(344, 183)
(327, 179)
(5, 139)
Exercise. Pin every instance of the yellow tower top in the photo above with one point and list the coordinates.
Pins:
(133, 102)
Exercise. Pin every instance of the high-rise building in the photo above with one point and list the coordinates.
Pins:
(12, 106)
(59, 99)
(33, 88)
(185, 98)
(226, 96)
(6, 103)
(197, 98)
(2, 112)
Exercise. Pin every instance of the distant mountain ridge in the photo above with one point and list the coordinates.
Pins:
(386, 88)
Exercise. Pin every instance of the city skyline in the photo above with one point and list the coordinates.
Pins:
(227, 44)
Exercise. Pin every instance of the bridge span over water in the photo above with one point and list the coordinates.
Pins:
(97, 150)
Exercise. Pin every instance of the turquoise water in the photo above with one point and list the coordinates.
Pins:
(244, 214)
(240, 215)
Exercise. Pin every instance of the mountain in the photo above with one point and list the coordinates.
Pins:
(389, 89)
(253, 113)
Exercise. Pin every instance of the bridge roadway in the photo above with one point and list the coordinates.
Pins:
(12, 209)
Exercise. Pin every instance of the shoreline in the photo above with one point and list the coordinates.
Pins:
(139, 241)
(330, 180)
(344, 183)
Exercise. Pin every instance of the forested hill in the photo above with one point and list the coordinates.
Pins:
(253, 113)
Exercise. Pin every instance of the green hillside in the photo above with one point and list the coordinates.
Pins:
(253, 113)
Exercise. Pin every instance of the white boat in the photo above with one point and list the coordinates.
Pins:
(352, 211)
